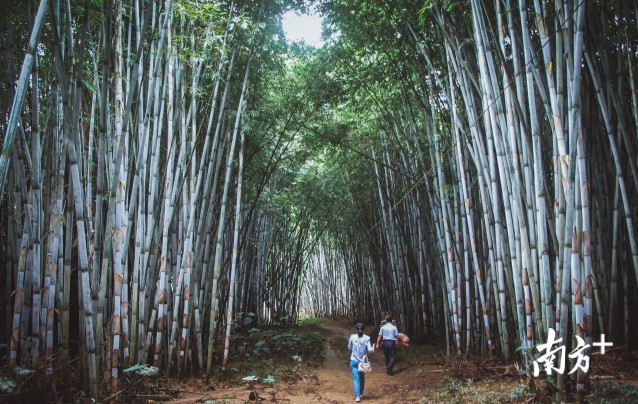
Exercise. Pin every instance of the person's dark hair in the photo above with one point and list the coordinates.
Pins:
(359, 327)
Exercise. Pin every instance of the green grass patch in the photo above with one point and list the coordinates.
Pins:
(459, 391)
(308, 321)
(273, 354)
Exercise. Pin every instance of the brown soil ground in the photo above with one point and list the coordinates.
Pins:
(423, 374)
(331, 381)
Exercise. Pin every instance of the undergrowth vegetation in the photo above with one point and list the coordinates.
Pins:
(614, 392)
(275, 354)
(456, 391)
(307, 321)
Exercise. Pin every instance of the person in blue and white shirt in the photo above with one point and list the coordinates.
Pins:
(360, 345)
(388, 334)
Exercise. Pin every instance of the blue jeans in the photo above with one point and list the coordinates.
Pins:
(359, 378)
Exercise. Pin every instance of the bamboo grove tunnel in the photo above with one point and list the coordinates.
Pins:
(176, 171)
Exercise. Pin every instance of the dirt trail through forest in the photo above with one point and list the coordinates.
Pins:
(417, 369)
(335, 379)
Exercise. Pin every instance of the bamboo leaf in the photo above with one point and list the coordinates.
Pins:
(7, 385)
(143, 370)
(22, 371)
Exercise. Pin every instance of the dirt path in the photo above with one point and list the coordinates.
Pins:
(422, 375)
(336, 380)
(331, 382)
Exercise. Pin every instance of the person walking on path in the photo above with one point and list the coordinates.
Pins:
(388, 334)
(360, 345)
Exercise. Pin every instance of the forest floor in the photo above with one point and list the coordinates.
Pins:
(310, 364)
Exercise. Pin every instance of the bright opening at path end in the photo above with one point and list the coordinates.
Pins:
(303, 27)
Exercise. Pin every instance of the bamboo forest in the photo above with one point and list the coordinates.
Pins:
(177, 175)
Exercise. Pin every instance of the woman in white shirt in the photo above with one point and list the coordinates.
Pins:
(360, 345)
